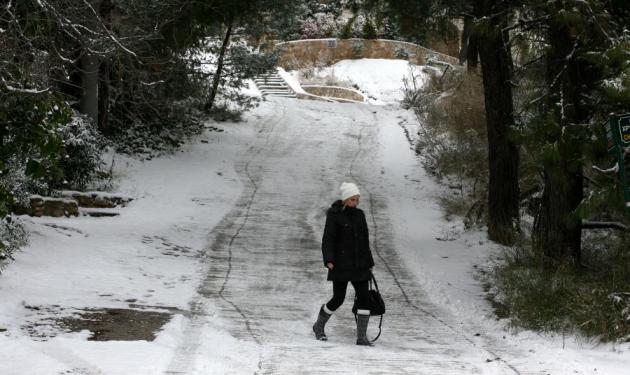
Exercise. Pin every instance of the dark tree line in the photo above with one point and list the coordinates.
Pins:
(552, 72)
(571, 73)
(132, 67)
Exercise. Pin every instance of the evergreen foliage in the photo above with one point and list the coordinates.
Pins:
(346, 32)
(30, 143)
(412, 18)
(149, 77)
(570, 72)
(593, 303)
(80, 159)
(369, 31)
(12, 237)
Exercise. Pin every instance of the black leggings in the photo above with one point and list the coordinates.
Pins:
(339, 294)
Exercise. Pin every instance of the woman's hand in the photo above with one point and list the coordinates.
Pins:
(330, 265)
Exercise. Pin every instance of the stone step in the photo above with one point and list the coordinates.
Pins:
(273, 85)
(99, 212)
(273, 88)
(282, 96)
(276, 92)
(279, 80)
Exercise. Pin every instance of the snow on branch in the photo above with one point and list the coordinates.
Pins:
(77, 31)
(586, 224)
(613, 169)
(23, 90)
(109, 33)
(152, 83)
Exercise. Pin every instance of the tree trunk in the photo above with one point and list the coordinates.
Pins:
(103, 98)
(465, 39)
(503, 154)
(558, 228)
(217, 76)
(89, 85)
(557, 233)
(105, 12)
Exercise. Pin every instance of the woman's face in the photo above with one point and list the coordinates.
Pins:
(352, 201)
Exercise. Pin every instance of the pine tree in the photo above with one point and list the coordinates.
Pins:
(570, 116)
(495, 56)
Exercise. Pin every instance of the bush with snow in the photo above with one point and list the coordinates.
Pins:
(12, 237)
(81, 157)
(320, 25)
(453, 129)
(19, 184)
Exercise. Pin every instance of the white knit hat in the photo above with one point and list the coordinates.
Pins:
(348, 189)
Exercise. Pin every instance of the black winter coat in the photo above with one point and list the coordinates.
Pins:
(346, 244)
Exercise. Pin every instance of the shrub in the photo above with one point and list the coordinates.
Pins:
(19, 183)
(29, 141)
(357, 49)
(81, 157)
(369, 31)
(452, 139)
(12, 237)
(151, 138)
(346, 31)
(401, 53)
(592, 300)
(319, 25)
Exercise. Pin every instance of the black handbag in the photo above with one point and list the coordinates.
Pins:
(377, 305)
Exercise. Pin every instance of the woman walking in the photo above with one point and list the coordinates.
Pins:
(347, 256)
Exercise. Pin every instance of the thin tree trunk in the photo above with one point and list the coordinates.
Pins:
(89, 84)
(465, 39)
(103, 98)
(217, 76)
(503, 154)
(105, 12)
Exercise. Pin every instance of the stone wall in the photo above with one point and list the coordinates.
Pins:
(47, 206)
(334, 92)
(325, 52)
(68, 204)
(96, 199)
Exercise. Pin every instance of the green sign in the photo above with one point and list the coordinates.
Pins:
(618, 138)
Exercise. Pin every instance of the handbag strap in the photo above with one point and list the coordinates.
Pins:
(380, 324)
(373, 280)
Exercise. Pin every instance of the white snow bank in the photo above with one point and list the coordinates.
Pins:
(291, 80)
(379, 79)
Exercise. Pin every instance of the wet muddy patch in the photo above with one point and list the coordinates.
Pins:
(104, 324)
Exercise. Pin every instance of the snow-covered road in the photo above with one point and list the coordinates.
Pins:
(252, 208)
(265, 275)
(264, 270)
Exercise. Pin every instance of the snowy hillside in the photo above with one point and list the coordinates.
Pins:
(222, 246)
(381, 80)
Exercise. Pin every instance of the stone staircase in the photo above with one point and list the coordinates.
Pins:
(273, 85)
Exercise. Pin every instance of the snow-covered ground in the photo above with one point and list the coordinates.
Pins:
(224, 235)
(379, 79)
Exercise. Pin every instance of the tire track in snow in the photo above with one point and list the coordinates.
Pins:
(184, 354)
(389, 268)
